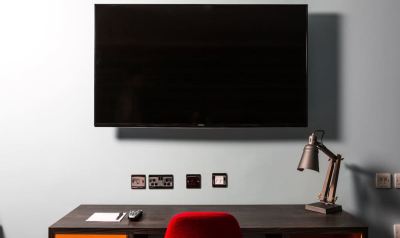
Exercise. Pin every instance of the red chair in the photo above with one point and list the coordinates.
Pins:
(203, 225)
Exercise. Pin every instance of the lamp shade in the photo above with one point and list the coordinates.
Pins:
(309, 159)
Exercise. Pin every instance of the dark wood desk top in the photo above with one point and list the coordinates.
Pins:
(252, 218)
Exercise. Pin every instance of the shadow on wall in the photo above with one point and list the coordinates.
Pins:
(1, 232)
(323, 90)
(376, 207)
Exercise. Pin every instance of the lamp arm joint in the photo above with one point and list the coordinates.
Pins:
(328, 152)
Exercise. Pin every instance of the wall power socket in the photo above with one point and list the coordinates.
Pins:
(138, 181)
(163, 181)
(383, 180)
(397, 180)
(193, 180)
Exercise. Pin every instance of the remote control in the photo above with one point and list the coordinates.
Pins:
(135, 215)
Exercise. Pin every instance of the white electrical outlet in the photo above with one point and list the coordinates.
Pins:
(397, 180)
(383, 180)
(396, 230)
(138, 181)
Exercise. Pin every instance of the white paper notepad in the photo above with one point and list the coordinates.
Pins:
(106, 216)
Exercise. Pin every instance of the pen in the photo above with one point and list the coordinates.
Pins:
(120, 214)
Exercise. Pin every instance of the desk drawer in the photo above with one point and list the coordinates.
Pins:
(90, 236)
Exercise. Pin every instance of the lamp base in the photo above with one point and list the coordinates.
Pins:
(324, 208)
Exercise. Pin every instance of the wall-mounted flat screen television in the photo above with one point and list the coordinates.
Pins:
(178, 65)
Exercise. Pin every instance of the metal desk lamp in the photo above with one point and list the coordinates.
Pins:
(309, 160)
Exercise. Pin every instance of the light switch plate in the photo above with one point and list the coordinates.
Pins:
(138, 181)
(383, 180)
(396, 229)
(220, 180)
(397, 180)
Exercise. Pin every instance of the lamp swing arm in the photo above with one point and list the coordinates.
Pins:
(333, 185)
(329, 188)
(326, 151)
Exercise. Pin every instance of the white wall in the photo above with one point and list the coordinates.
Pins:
(52, 158)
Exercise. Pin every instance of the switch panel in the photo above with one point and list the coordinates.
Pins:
(220, 180)
(396, 230)
(193, 180)
(138, 181)
(383, 180)
(165, 181)
(397, 180)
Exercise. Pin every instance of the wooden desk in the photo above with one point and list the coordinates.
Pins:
(277, 221)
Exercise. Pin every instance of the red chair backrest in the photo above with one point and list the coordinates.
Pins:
(203, 225)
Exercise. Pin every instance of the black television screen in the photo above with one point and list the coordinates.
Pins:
(175, 65)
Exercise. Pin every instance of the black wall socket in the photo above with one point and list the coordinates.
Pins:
(164, 181)
(193, 180)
